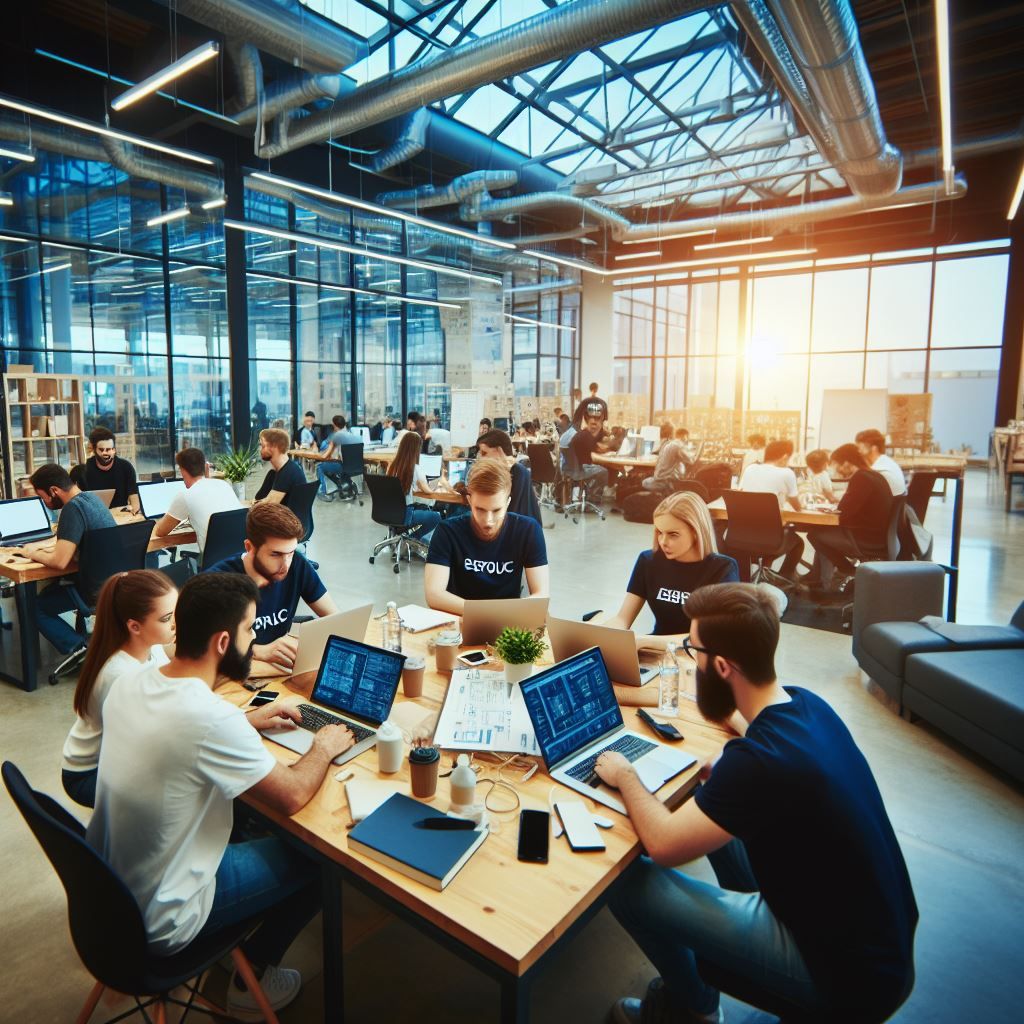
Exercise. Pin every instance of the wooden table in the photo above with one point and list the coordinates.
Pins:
(500, 915)
(25, 574)
(624, 462)
(804, 518)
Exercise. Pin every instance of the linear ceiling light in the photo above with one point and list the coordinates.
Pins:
(737, 242)
(639, 255)
(712, 261)
(96, 129)
(37, 273)
(213, 204)
(589, 268)
(322, 243)
(6, 199)
(13, 152)
(352, 291)
(1017, 193)
(945, 106)
(665, 238)
(386, 211)
(192, 59)
(163, 218)
(539, 323)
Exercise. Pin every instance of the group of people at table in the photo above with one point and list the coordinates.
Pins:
(813, 900)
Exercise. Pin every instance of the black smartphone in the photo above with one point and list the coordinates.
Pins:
(263, 697)
(534, 832)
(665, 730)
(474, 658)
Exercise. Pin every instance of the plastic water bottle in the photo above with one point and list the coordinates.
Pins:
(391, 629)
(463, 786)
(668, 683)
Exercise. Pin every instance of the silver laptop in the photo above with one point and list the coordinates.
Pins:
(312, 636)
(24, 520)
(482, 621)
(617, 645)
(155, 499)
(576, 717)
(355, 686)
(106, 495)
(431, 465)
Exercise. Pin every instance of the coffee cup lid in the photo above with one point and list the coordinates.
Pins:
(424, 755)
(414, 663)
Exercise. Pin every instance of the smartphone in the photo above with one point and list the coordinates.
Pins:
(263, 697)
(665, 730)
(579, 826)
(534, 832)
(474, 659)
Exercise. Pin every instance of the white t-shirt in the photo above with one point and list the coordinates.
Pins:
(82, 747)
(821, 483)
(174, 756)
(419, 483)
(889, 468)
(769, 479)
(200, 501)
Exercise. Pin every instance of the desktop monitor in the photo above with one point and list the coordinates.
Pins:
(364, 433)
(501, 423)
(650, 433)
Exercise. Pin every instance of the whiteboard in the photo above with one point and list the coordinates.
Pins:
(467, 411)
(846, 412)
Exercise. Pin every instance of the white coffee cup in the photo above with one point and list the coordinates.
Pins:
(390, 748)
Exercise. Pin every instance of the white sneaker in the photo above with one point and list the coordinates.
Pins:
(280, 985)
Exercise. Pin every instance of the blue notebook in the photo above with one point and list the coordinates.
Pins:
(390, 835)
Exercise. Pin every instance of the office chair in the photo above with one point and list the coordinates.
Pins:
(919, 492)
(101, 554)
(578, 503)
(387, 507)
(755, 531)
(106, 923)
(300, 501)
(542, 470)
(351, 467)
(225, 536)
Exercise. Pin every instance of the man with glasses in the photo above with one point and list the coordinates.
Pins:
(814, 905)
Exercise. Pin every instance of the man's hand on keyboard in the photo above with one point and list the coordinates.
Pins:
(275, 715)
(333, 740)
(610, 766)
(280, 652)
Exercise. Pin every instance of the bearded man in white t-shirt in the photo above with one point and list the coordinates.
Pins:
(871, 444)
(773, 476)
(174, 758)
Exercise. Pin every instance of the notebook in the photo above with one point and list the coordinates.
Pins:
(392, 836)
(415, 618)
(366, 795)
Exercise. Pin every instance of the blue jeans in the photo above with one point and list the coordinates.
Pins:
(268, 879)
(425, 519)
(596, 479)
(49, 605)
(329, 470)
(674, 919)
(80, 786)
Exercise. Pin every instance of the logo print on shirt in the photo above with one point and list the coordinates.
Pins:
(673, 596)
(494, 568)
(274, 619)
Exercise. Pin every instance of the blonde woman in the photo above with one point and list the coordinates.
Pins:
(684, 558)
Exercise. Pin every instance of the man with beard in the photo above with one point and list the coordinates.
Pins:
(284, 474)
(174, 758)
(815, 905)
(282, 576)
(105, 469)
(80, 512)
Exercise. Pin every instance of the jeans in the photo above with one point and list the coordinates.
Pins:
(265, 878)
(49, 605)
(329, 471)
(831, 545)
(425, 520)
(674, 919)
(596, 479)
(80, 786)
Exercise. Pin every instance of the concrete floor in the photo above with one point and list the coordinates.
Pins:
(961, 824)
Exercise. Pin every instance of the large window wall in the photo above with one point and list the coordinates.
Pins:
(927, 320)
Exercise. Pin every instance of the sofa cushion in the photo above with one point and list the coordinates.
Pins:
(891, 643)
(984, 687)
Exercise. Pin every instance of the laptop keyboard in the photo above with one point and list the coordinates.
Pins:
(314, 719)
(632, 748)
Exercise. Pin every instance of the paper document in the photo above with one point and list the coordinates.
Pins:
(483, 712)
(415, 618)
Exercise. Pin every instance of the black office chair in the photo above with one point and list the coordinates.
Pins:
(225, 537)
(300, 501)
(577, 503)
(107, 926)
(919, 492)
(351, 467)
(888, 552)
(101, 554)
(387, 507)
(755, 531)
(542, 470)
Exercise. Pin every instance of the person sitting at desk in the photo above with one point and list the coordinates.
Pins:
(330, 466)
(673, 463)
(282, 575)
(406, 467)
(134, 622)
(773, 476)
(284, 473)
(105, 469)
(814, 903)
(202, 497)
(307, 436)
(590, 439)
(80, 511)
(387, 434)
(592, 406)
(755, 451)
(682, 559)
(496, 444)
(174, 758)
(484, 554)
(427, 445)
(819, 476)
(871, 444)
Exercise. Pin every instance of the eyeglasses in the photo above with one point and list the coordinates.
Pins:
(690, 648)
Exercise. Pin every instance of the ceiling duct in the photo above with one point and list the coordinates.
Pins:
(482, 207)
(410, 142)
(458, 190)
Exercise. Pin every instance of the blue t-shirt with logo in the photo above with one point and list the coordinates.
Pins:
(279, 599)
(482, 569)
(665, 585)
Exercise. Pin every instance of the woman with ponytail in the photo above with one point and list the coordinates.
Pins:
(134, 620)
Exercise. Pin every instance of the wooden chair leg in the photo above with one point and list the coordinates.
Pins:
(253, 985)
(160, 1015)
(90, 1003)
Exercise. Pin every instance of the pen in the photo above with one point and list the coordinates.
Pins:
(446, 824)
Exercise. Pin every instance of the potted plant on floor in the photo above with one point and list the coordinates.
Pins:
(235, 466)
(519, 649)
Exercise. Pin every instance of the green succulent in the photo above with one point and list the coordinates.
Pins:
(519, 646)
(238, 464)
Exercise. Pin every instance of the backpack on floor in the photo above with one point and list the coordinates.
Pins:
(639, 507)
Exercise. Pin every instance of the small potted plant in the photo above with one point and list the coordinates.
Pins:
(519, 649)
(236, 466)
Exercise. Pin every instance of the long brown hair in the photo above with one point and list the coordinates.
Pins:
(406, 458)
(128, 595)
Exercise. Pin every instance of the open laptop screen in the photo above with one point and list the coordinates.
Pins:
(358, 679)
(431, 465)
(458, 470)
(21, 517)
(156, 498)
(571, 704)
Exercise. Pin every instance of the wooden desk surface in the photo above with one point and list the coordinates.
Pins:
(625, 461)
(507, 911)
(446, 496)
(806, 517)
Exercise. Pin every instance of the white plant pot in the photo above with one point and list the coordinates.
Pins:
(517, 673)
(239, 489)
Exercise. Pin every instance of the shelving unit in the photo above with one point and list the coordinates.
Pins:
(35, 405)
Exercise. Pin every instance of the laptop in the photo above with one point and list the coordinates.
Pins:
(458, 470)
(155, 498)
(431, 465)
(106, 495)
(483, 620)
(617, 645)
(313, 635)
(24, 520)
(576, 717)
(355, 686)
(364, 433)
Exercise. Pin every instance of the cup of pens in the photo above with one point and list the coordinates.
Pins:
(423, 767)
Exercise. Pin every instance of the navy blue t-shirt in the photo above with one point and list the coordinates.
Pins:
(799, 794)
(284, 479)
(487, 569)
(665, 585)
(278, 600)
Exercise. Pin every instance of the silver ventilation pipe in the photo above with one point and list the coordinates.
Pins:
(458, 190)
(286, 94)
(546, 286)
(245, 59)
(410, 142)
(482, 207)
(554, 236)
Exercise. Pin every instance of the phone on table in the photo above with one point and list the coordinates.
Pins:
(474, 659)
(665, 730)
(263, 697)
(534, 833)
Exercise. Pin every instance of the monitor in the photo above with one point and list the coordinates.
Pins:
(501, 423)
(155, 499)
(358, 679)
(431, 465)
(650, 433)
(23, 517)
(363, 432)
(458, 470)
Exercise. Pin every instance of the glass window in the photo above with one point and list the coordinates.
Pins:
(845, 371)
(781, 314)
(270, 387)
(970, 296)
(202, 404)
(704, 319)
(898, 317)
(963, 384)
(840, 310)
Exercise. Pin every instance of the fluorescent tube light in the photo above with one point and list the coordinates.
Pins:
(163, 218)
(712, 261)
(540, 323)
(639, 255)
(353, 291)
(213, 204)
(945, 105)
(589, 268)
(263, 257)
(6, 199)
(737, 242)
(181, 66)
(1017, 193)
(13, 152)
(665, 238)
